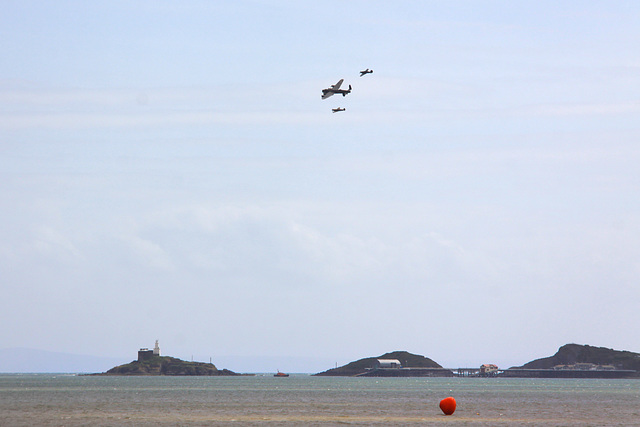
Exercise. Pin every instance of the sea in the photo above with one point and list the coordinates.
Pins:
(305, 400)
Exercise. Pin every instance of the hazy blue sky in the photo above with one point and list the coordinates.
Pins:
(168, 171)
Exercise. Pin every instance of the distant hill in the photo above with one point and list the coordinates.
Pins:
(27, 360)
(165, 365)
(408, 360)
(570, 354)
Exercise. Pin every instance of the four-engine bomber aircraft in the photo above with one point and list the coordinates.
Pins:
(335, 89)
(337, 110)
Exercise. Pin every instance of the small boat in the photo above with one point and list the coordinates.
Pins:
(280, 374)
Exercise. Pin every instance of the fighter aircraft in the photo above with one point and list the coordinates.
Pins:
(367, 71)
(335, 89)
(337, 110)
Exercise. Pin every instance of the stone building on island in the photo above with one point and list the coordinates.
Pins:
(146, 354)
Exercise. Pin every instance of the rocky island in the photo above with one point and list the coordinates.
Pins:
(165, 365)
(151, 363)
(580, 361)
(394, 364)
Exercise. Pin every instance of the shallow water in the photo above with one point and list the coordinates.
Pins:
(66, 400)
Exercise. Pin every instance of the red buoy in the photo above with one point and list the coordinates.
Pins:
(448, 405)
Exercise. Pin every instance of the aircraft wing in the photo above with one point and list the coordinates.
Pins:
(326, 94)
(337, 85)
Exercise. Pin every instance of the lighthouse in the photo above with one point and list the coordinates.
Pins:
(156, 349)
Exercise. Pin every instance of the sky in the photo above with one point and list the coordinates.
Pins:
(169, 171)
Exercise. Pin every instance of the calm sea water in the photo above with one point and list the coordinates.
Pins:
(66, 400)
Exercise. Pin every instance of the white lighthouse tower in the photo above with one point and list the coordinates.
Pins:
(156, 349)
